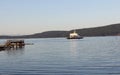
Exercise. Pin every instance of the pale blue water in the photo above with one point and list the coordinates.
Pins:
(59, 56)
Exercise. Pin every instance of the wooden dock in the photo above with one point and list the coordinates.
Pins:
(13, 44)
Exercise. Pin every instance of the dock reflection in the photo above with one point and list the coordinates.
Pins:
(13, 52)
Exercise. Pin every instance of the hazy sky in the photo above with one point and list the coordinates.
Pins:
(33, 16)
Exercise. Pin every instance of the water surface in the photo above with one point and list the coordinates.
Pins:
(59, 56)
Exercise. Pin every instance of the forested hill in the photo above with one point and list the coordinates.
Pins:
(110, 30)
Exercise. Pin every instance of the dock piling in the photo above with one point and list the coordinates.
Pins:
(13, 44)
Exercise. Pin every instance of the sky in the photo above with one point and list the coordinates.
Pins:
(21, 17)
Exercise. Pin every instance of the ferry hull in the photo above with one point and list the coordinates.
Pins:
(75, 38)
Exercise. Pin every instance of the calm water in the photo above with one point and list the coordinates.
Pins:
(59, 56)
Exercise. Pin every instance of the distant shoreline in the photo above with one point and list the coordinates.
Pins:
(53, 37)
(109, 30)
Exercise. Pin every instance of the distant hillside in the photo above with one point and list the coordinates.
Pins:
(110, 30)
(50, 34)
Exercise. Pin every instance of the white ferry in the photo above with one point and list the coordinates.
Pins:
(74, 35)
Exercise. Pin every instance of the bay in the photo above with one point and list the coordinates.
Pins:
(60, 56)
